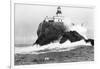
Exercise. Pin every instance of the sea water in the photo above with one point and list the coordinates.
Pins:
(52, 47)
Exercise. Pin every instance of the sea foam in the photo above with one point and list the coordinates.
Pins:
(52, 47)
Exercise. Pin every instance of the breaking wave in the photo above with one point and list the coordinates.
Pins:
(52, 47)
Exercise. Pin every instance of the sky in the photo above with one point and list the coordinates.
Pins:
(28, 17)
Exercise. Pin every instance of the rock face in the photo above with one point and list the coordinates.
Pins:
(49, 32)
(90, 40)
(73, 36)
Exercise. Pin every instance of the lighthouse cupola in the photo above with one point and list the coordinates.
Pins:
(59, 13)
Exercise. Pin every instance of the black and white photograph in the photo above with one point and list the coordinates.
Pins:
(46, 34)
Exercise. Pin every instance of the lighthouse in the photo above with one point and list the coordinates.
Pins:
(59, 13)
(57, 18)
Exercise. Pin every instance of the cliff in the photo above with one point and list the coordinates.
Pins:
(49, 32)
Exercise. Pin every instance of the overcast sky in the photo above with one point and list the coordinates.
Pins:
(28, 17)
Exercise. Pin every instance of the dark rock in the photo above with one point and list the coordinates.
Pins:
(49, 32)
(91, 41)
(73, 36)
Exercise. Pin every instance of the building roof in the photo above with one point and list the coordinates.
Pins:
(59, 7)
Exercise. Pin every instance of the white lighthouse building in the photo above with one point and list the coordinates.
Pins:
(57, 18)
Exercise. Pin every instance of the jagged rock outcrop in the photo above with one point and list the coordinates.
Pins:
(49, 32)
(73, 36)
(90, 40)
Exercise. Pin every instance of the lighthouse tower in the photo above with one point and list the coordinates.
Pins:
(57, 18)
(59, 13)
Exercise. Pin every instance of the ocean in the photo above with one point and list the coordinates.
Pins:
(52, 47)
